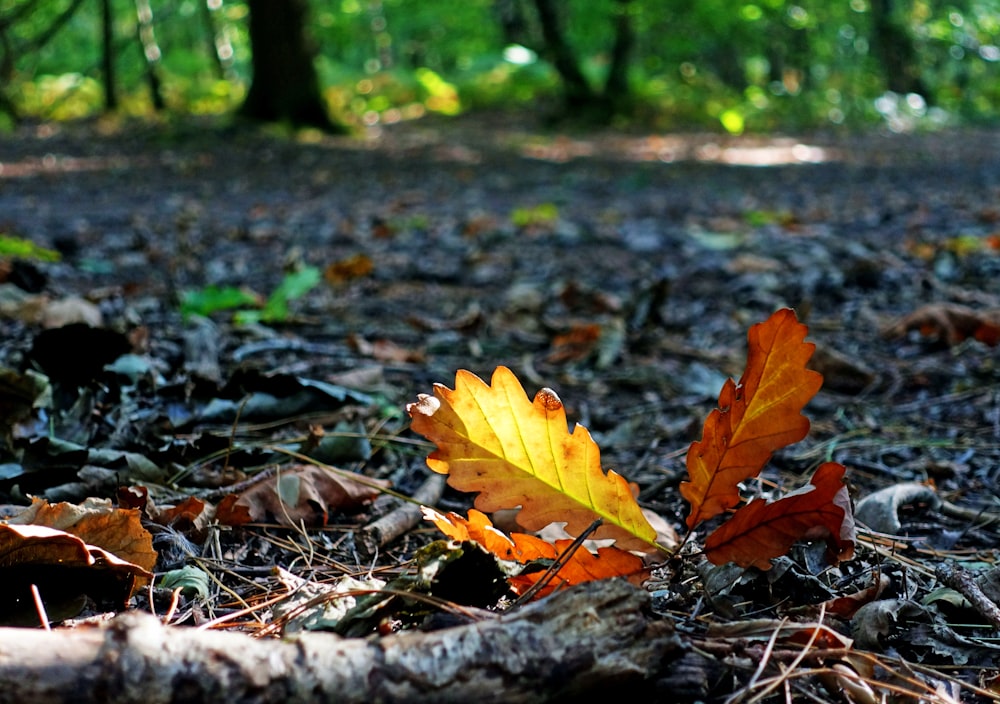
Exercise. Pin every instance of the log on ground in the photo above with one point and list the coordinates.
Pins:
(594, 638)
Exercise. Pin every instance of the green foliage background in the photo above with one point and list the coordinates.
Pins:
(755, 65)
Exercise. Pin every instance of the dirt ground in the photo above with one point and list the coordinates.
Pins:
(622, 270)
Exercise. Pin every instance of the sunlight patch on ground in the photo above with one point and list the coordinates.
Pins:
(768, 155)
(52, 163)
(675, 148)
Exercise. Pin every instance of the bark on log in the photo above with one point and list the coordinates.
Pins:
(592, 639)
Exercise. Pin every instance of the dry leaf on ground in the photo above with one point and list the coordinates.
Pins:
(951, 323)
(583, 565)
(297, 494)
(65, 570)
(98, 523)
(763, 530)
(756, 416)
(512, 452)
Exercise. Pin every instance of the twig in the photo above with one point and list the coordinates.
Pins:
(770, 686)
(557, 564)
(402, 519)
(175, 599)
(959, 579)
(43, 617)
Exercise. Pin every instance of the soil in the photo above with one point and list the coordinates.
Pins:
(620, 269)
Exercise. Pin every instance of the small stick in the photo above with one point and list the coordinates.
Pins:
(40, 608)
(959, 579)
(558, 564)
(402, 519)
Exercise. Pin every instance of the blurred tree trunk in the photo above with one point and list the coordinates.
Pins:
(7, 106)
(616, 88)
(219, 47)
(151, 53)
(285, 87)
(10, 48)
(892, 44)
(581, 99)
(576, 89)
(108, 55)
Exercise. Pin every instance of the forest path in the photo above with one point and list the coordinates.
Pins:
(622, 270)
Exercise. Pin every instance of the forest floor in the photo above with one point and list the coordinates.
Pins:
(621, 270)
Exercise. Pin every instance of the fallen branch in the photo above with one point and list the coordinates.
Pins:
(593, 638)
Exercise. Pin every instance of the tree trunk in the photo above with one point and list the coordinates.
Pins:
(7, 106)
(150, 52)
(285, 87)
(108, 55)
(219, 47)
(892, 45)
(576, 89)
(616, 88)
(582, 101)
(590, 641)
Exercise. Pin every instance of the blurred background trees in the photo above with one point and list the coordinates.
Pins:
(667, 64)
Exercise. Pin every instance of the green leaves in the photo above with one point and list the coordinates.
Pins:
(250, 306)
(20, 248)
(213, 299)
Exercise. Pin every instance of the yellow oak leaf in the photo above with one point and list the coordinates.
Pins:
(492, 440)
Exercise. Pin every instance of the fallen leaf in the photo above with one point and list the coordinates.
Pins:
(763, 530)
(319, 606)
(951, 323)
(22, 398)
(466, 321)
(574, 344)
(512, 452)
(191, 516)
(873, 622)
(756, 416)
(847, 606)
(583, 565)
(191, 580)
(98, 523)
(848, 375)
(384, 350)
(132, 497)
(65, 570)
(344, 270)
(229, 513)
(298, 494)
(518, 547)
